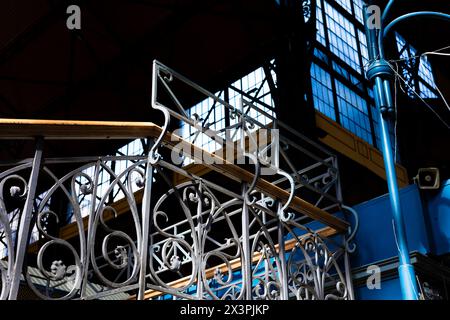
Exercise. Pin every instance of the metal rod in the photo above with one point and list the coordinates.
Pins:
(90, 233)
(405, 269)
(25, 222)
(146, 201)
(199, 237)
(348, 271)
(284, 294)
(247, 263)
(428, 14)
(378, 75)
(159, 66)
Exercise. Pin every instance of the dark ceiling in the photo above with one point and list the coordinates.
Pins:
(103, 71)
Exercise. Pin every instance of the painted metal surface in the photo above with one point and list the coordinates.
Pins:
(437, 211)
(375, 219)
(380, 74)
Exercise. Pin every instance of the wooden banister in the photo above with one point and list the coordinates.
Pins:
(74, 129)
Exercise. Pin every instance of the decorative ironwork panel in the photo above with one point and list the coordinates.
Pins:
(68, 235)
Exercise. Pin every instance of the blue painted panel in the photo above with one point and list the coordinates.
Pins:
(375, 238)
(438, 206)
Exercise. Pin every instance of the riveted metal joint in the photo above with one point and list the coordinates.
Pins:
(379, 68)
(380, 74)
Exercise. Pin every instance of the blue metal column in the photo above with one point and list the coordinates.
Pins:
(405, 269)
(379, 73)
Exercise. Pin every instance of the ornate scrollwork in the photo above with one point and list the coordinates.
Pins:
(58, 261)
(252, 185)
(166, 76)
(307, 8)
(125, 251)
(202, 245)
(198, 240)
(265, 272)
(57, 272)
(350, 246)
(226, 284)
(170, 251)
(314, 272)
(191, 247)
(282, 211)
(223, 278)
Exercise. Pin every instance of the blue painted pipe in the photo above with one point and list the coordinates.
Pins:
(406, 272)
(423, 14)
(381, 88)
(379, 74)
(386, 10)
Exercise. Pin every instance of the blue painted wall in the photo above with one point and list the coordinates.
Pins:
(375, 237)
(376, 241)
(437, 205)
(427, 219)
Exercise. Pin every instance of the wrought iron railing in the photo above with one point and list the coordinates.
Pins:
(237, 234)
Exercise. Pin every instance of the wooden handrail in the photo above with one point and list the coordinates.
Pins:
(68, 129)
(74, 129)
(239, 174)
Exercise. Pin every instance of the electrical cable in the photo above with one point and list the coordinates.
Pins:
(435, 52)
(429, 107)
(438, 54)
(396, 119)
